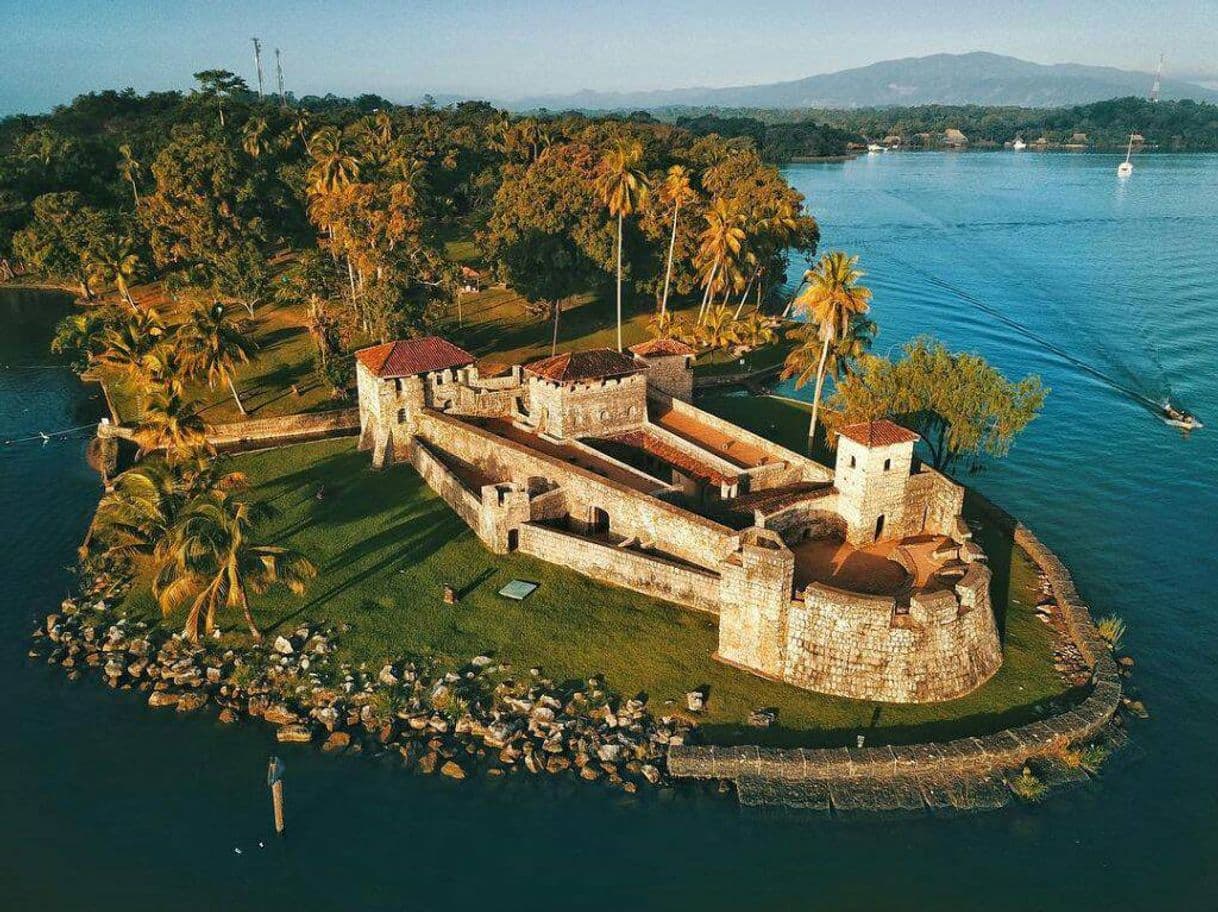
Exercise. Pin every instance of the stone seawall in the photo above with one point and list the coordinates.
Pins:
(975, 757)
(259, 433)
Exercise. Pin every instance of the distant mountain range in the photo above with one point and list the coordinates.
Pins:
(976, 78)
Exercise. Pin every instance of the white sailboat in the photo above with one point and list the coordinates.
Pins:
(1125, 168)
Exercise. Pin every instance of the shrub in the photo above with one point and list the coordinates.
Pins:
(1112, 630)
(1027, 787)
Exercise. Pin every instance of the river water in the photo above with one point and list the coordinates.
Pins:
(1042, 263)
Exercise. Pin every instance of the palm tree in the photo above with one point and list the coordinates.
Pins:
(832, 299)
(113, 259)
(675, 191)
(171, 423)
(210, 560)
(129, 346)
(253, 135)
(130, 169)
(623, 189)
(139, 511)
(721, 241)
(719, 330)
(213, 348)
(333, 167)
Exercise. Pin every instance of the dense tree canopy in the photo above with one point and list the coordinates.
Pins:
(964, 409)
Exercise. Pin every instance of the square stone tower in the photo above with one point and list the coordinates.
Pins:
(670, 366)
(587, 393)
(874, 460)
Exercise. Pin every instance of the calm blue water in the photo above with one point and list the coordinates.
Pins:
(110, 806)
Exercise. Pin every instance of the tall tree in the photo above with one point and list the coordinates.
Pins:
(214, 347)
(171, 423)
(129, 347)
(831, 300)
(719, 244)
(211, 560)
(675, 191)
(113, 259)
(623, 188)
(130, 169)
(963, 408)
(219, 85)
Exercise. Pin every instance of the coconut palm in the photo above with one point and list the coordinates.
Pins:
(210, 560)
(623, 189)
(847, 351)
(139, 511)
(719, 330)
(675, 191)
(719, 245)
(171, 423)
(213, 347)
(129, 347)
(333, 166)
(113, 260)
(756, 330)
(831, 301)
(130, 169)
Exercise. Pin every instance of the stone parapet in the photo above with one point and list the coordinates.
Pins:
(971, 756)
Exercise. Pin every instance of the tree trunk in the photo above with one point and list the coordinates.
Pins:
(249, 618)
(791, 303)
(710, 281)
(135, 191)
(820, 383)
(619, 282)
(554, 339)
(744, 297)
(672, 243)
(232, 386)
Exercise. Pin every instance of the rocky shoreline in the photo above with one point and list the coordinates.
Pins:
(479, 718)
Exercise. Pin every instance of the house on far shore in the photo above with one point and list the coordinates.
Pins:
(1042, 143)
(893, 142)
(1138, 138)
(954, 139)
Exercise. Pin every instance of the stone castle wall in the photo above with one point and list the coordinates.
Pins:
(861, 646)
(933, 502)
(926, 762)
(669, 528)
(592, 408)
(672, 375)
(643, 573)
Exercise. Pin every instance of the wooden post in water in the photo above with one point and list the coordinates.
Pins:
(274, 778)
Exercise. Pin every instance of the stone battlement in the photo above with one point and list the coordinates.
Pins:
(857, 581)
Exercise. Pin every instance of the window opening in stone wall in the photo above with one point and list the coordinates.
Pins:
(853, 462)
(401, 416)
(879, 527)
(887, 464)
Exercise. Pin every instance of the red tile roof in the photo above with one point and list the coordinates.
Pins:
(408, 357)
(878, 433)
(590, 364)
(678, 458)
(654, 347)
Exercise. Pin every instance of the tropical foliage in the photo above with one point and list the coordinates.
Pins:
(963, 408)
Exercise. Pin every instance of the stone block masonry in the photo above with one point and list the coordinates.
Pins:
(516, 457)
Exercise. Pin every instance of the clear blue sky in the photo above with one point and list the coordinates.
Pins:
(55, 49)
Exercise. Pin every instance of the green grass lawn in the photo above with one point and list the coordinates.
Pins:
(286, 356)
(386, 545)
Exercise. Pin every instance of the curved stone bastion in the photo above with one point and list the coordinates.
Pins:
(965, 773)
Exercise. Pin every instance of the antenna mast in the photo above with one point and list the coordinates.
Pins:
(283, 97)
(258, 64)
(1154, 89)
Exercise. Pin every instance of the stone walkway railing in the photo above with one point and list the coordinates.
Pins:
(968, 757)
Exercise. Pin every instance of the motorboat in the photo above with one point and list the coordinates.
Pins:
(874, 147)
(1019, 145)
(1180, 418)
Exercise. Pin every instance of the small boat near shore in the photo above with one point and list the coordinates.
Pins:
(1019, 145)
(874, 148)
(1180, 418)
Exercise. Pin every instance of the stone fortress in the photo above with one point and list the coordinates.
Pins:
(861, 581)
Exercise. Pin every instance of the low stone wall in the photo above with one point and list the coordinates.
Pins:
(259, 433)
(973, 757)
(649, 575)
(444, 482)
